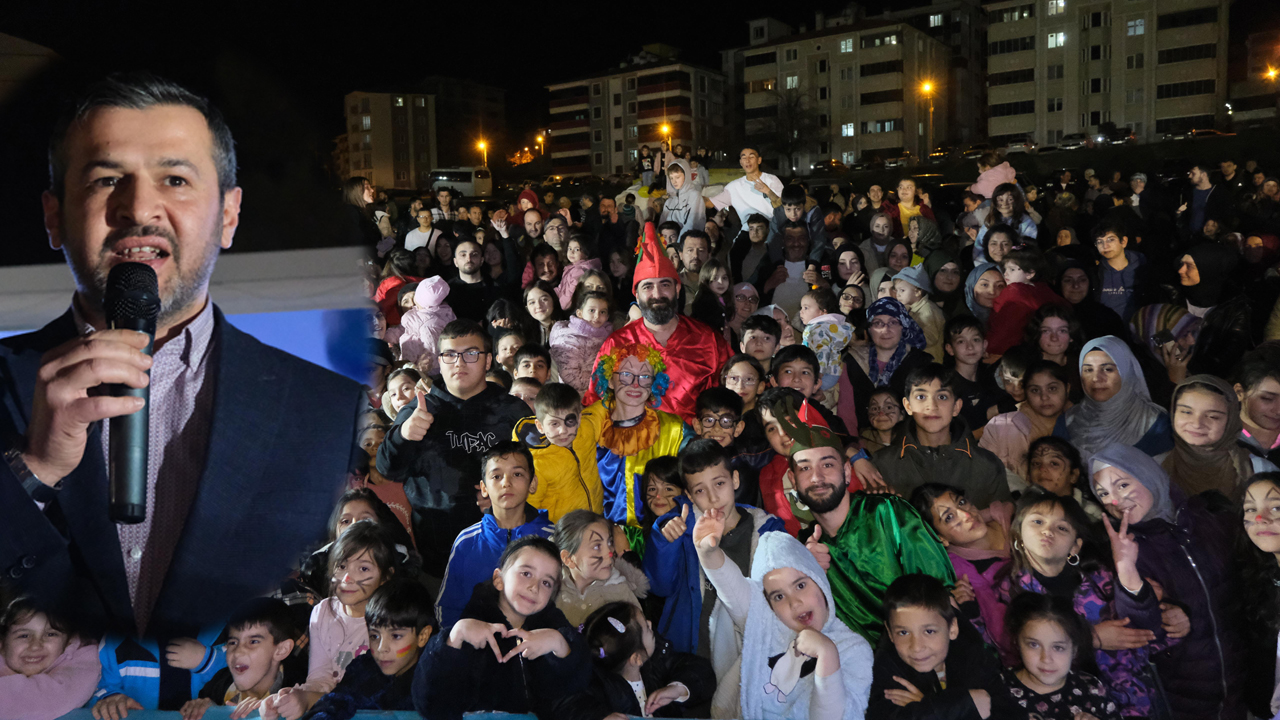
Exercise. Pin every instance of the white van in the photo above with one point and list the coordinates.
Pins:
(471, 182)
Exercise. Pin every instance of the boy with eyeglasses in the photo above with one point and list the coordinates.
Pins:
(562, 438)
(436, 442)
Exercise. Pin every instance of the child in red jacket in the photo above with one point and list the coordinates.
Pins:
(1024, 295)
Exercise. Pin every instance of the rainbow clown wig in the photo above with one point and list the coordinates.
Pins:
(645, 353)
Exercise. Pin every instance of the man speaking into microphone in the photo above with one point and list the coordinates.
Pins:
(248, 445)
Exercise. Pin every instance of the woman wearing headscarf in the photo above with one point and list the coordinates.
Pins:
(898, 256)
(1074, 282)
(881, 283)
(684, 203)
(1117, 406)
(1210, 288)
(896, 348)
(1187, 549)
(981, 289)
(874, 247)
(924, 235)
(1206, 455)
(944, 274)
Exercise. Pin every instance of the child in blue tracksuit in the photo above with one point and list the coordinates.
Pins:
(507, 480)
(131, 671)
(672, 561)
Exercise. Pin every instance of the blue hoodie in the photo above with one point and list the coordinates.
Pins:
(474, 557)
(674, 573)
(132, 667)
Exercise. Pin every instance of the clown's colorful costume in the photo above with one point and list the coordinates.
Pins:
(625, 447)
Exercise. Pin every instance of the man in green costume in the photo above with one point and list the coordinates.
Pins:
(864, 540)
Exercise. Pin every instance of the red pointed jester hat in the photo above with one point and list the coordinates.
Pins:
(652, 260)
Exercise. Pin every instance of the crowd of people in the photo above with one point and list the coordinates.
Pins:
(743, 452)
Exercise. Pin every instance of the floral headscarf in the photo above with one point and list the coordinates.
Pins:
(645, 353)
(912, 337)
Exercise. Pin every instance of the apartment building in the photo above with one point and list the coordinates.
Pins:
(391, 139)
(860, 84)
(1255, 100)
(1057, 67)
(469, 112)
(599, 122)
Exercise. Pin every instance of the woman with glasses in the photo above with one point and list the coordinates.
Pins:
(746, 300)
(631, 381)
(896, 348)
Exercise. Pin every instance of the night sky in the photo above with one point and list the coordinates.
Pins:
(279, 74)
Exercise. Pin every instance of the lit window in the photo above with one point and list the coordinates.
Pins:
(1058, 39)
(1135, 27)
(793, 82)
(848, 157)
(366, 122)
(935, 20)
(1057, 7)
(846, 130)
(399, 100)
(846, 45)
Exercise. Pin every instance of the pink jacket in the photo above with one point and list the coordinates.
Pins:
(574, 345)
(569, 281)
(66, 685)
(423, 323)
(989, 180)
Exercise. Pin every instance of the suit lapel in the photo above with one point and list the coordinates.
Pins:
(246, 415)
(83, 498)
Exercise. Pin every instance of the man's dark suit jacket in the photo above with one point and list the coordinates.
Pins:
(281, 441)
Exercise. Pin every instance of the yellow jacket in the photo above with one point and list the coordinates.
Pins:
(568, 478)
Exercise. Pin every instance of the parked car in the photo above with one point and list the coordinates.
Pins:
(975, 151)
(828, 168)
(1020, 145)
(942, 154)
(896, 162)
(1075, 141)
(1118, 136)
(1198, 134)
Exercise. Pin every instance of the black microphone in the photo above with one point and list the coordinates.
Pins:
(132, 302)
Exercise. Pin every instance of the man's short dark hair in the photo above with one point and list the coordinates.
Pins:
(757, 219)
(670, 225)
(795, 225)
(401, 603)
(972, 197)
(829, 208)
(718, 400)
(792, 353)
(925, 374)
(701, 454)
(555, 397)
(695, 234)
(919, 591)
(793, 195)
(959, 324)
(1113, 225)
(503, 449)
(500, 375)
(532, 350)
(465, 328)
(763, 323)
(140, 91)
(271, 613)
(1030, 260)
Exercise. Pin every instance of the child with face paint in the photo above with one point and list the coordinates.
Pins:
(401, 620)
(1048, 534)
(46, 671)
(1051, 640)
(636, 671)
(512, 651)
(595, 573)
(363, 558)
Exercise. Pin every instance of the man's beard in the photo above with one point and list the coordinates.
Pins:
(830, 503)
(658, 311)
(186, 289)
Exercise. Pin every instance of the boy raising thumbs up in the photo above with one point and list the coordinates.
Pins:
(435, 445)
(671, 562)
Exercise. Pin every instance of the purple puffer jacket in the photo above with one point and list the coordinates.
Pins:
(1126, 673)
(1192, 559)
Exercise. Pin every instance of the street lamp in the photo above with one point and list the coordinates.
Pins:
(927, 89)
(484, 149)
(1272, 73)
(540, 150)
(666, 132)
